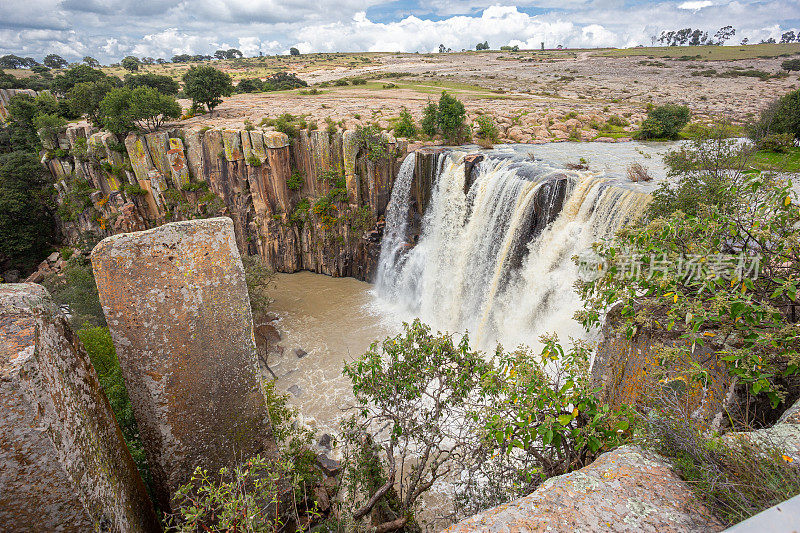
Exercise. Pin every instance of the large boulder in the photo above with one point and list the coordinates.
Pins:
(64, 465)
(177, 306)
(627, 489)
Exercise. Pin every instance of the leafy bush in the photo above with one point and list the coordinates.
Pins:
(74, 289)
(616, 120)
(450, 118)
(84, 98)
(405, 126)
(134, 189)
(296, 181)
(781, 116)
(251, 497)
(746, 229)
(250, 85)
(429, 119)
(487, 129)
(498, 428)
(776, 142)
(664, 122)
(259, 278)
(123, 110)
(253, 160)
(283, 80)
(300, 212)
(27, 225)
(791, 65)
(370, 139)
(358, 81)
(100, 348)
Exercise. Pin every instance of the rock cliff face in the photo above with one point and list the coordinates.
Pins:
(307, 203)
(64, 465)
(176, 303)
(628, 489)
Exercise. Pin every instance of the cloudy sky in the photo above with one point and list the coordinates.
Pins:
(111, 29)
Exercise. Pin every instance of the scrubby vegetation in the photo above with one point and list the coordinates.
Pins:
(664, 122)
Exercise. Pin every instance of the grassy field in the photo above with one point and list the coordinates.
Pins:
(786, 162)
(710, 53)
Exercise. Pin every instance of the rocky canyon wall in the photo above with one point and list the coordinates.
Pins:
(64, 465)
(312, 202)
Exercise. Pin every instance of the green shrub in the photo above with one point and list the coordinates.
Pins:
(712, 212)
(405, 126)
(206, 85)
(75, 289)
(664, 122)
(296, 181)
(358, 81)
(781, 116)
(616, 120)
(300, 212)
(370, 139)
(341, 83)
(250, 85)
(776, 142)
(134, 189)
(66, 252)
(429, 119)
(253, 160)
(252, 496)
(103, 356)
(519, 421)
(450, 118)
(791, 65)
(259, 278)
(487, 129)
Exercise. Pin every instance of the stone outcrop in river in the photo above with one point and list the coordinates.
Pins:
(311, 202)
(176, 303)
(64, 465)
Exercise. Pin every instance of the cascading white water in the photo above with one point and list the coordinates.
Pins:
(478, 265)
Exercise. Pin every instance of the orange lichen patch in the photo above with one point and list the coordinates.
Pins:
(178, 310)
(631, 373)
(65, 465)
(627, 489)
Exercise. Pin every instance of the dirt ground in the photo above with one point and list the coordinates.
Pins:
(533, 97)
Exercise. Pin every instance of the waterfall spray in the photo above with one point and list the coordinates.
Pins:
(497, 261)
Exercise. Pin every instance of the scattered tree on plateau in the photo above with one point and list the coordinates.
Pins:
(206, 86)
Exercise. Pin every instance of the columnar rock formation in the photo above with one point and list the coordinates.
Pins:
(628, 489)
(306, 203)
(177, 306)
(64, 465)
(6, 95)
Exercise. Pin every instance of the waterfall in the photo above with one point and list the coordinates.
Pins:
(497, 261)
(394, 233)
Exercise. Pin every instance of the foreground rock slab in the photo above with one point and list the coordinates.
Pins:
(64, 465)
(627, 489)
(177, 306)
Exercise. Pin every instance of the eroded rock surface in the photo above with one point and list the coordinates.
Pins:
(627, 489)
(177, 306)
(64, 465)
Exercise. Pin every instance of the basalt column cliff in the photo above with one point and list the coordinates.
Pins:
(312, 202)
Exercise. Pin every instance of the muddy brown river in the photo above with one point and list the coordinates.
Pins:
(332, 319)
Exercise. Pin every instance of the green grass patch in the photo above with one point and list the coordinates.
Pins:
(788, 161)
